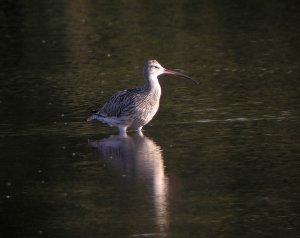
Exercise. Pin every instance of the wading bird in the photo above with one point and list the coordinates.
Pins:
(135, 107)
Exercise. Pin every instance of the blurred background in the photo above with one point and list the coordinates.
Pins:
(220, 159)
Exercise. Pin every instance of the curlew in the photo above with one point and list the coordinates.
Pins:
(135, 107)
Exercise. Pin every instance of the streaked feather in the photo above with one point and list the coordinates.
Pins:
(133, 107)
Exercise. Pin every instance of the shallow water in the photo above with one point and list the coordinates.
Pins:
(220, 159)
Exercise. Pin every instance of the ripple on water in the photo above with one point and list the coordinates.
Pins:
(243, 119)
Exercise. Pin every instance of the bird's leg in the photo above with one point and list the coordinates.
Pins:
(123, 131)
(139, 131)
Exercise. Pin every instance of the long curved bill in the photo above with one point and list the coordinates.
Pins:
(176, 73)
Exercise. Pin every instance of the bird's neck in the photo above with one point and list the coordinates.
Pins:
(151, 83)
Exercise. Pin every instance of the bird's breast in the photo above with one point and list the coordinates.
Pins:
(146, 108)
(151, 104)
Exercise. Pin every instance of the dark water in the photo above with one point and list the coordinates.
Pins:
(219, 160)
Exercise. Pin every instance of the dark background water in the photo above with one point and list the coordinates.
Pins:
(219, 160)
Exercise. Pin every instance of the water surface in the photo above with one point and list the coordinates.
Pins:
(220, 159)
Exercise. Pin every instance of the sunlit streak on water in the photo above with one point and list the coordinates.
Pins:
(142, 157)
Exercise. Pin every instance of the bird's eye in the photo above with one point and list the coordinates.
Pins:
(156, 67)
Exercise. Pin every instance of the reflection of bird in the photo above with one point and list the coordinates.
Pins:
(135, 107)
(139, 159)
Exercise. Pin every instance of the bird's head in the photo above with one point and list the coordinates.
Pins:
(153, 69)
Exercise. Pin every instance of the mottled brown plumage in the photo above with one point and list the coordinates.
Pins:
(135, 107)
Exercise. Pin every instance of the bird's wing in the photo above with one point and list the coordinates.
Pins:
(120, 103)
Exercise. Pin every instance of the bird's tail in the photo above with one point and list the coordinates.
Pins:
(94, 117)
